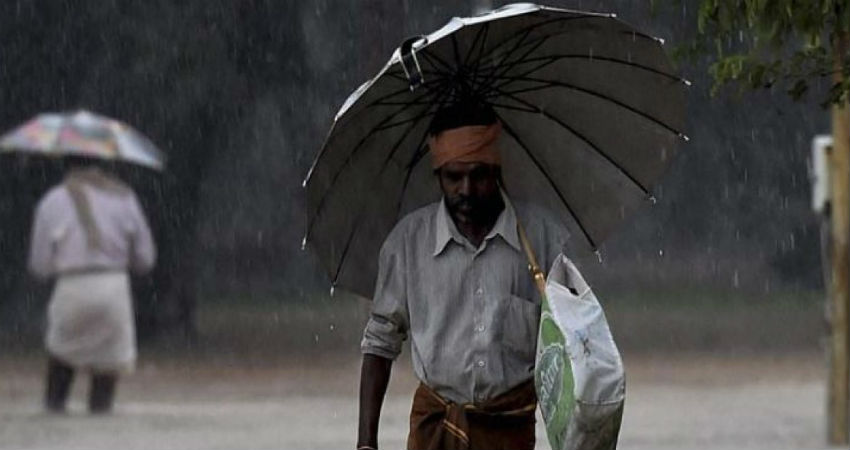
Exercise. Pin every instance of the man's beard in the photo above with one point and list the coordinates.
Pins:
(475, 210)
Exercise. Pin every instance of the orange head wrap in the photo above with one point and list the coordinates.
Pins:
(472, 143)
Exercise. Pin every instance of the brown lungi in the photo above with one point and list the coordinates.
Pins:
(505, 422)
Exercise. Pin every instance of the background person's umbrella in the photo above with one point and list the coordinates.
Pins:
(82, 134)
(591, 111)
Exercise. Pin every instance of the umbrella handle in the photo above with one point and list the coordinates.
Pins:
(533, 267)
(410, 63)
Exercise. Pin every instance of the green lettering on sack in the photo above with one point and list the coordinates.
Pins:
(554, 379)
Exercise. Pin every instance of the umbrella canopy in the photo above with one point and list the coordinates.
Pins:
(591, 110)
(83, 134)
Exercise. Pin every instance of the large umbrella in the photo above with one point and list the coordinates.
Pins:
(83, 134)
(590, 107)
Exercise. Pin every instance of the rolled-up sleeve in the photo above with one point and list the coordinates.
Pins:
(388, 322)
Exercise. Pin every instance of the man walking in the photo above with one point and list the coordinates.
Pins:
(89, 232)
(453, 278)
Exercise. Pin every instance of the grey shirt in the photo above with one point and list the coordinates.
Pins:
(471, 313)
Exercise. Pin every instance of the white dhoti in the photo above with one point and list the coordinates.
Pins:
(90, 322)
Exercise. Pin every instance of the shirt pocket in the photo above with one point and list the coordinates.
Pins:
(519, 327)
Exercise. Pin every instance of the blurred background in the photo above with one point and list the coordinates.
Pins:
(717, 285)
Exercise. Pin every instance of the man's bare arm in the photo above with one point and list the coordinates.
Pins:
(374, 377)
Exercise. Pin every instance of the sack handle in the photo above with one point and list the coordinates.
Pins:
(533, 267)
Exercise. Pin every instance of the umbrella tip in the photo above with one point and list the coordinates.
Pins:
(687, 82)
(308, 176)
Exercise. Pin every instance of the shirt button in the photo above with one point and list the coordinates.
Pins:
(481, 363)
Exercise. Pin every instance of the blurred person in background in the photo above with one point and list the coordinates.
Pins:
(88, 233)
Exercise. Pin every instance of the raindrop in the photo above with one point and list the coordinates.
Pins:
(735, 279)
(652, 199)
(331, 327)
(304, 243)
(316, 337)
(661, 252)
(333, 290)
(598, 255)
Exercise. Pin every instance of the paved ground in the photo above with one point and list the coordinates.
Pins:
(683, 403)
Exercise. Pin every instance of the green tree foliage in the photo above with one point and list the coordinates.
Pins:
(787, 44)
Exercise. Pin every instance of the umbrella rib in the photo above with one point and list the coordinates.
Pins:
(336, 124)
(361, 213)
(527, 30)
(417, 156)
(400, 102)
(548, 177)
(404, 122)
(486, 28)
(511, 107)
(482, 31)
(548, 60)
(351, 156)
(335, 177)
(541, 38)
(493, 75)
(440, 94)
(420, 153)
(495, 67)
(439, 80)
(456, 50)
(583, 138)
(431, 57)
(438, 101)
(559, 84)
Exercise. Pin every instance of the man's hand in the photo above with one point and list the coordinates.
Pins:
(374, 377)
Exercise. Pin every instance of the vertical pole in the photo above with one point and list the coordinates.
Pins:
(839, 371)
